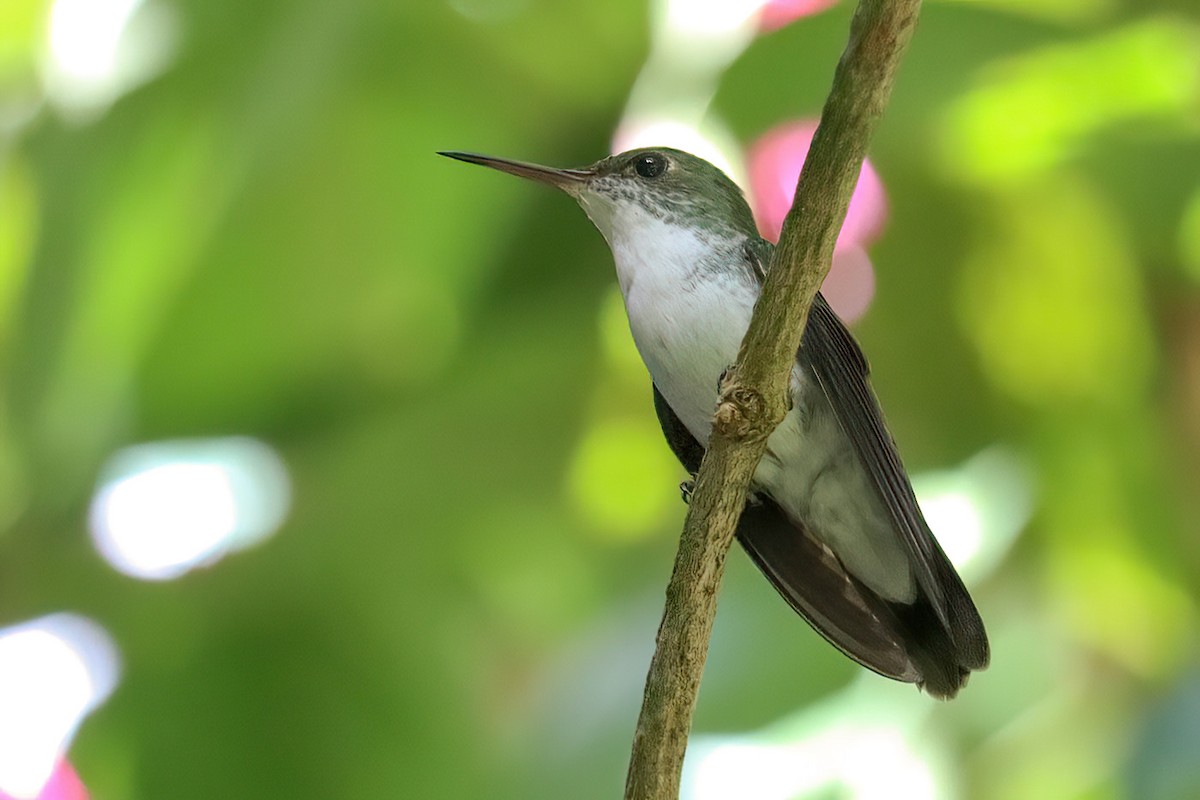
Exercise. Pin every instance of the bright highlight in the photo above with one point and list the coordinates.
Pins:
(96, 50)
(53, 671)
(830, 760)
(169, 507)
(84, 35)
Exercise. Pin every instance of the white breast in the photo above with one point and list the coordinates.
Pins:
(687, 318)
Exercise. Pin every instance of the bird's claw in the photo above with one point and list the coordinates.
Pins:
(721, 378)
(687, 489)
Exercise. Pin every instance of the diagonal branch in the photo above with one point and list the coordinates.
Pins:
(755, 395)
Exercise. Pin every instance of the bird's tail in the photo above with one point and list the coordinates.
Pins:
(905, 641)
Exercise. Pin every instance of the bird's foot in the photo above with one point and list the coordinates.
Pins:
(721, 379)
(687, 488)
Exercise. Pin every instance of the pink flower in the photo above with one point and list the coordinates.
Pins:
(64, 784)
(775, 162)
(777, 13)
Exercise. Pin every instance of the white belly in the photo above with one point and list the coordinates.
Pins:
(687, 344)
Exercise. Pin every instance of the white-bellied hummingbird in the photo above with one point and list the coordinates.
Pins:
(832, 522)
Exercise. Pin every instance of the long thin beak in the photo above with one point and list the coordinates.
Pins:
(566, 179)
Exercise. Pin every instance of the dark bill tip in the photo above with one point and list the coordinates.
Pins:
(562, 178)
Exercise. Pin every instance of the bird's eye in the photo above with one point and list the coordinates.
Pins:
(650, 165)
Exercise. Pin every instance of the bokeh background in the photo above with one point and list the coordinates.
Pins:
(328, 470)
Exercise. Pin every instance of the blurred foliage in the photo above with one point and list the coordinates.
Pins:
(256, 239)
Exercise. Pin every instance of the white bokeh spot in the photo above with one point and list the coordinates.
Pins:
(166, 508)
(53, 672)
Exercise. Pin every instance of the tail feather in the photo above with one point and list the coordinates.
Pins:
(905, 641)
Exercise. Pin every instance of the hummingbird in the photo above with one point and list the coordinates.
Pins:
(832, 521)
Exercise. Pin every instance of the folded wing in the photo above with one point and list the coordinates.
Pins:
(934, 641)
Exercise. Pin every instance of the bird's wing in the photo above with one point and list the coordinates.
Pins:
(685, 447)
(830, 353)
(808, 575)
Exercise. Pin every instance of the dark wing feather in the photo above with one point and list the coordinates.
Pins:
(907, 642)
(936, 640)
(840, 368)
(685, 447)
(813, 581)
(831, 354)
(807, 574)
